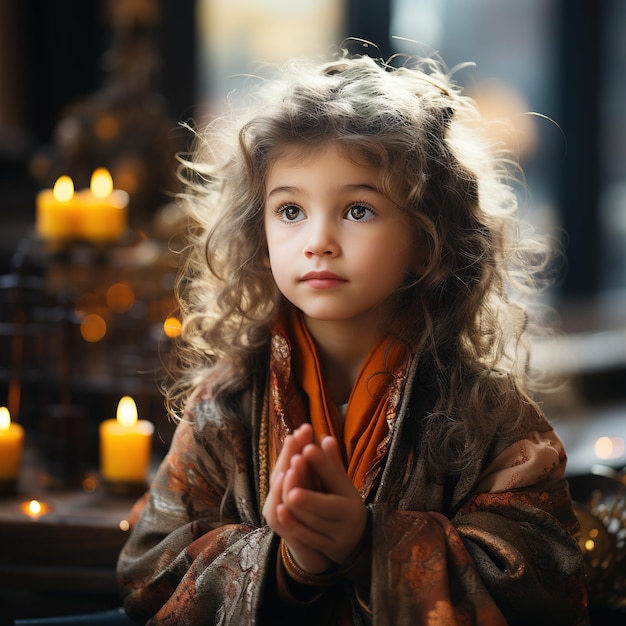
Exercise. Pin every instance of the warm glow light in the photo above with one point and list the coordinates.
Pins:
(127, 412)
(5, 418)
(63, 190)
(609, 447)
(93, 328)
(618, 446)
(101, 183)
(106, 127)
(131, 173)
(172, 327)
(90, 483)
(120, 297)
(34, 508)
(589, 545)
(603, 447)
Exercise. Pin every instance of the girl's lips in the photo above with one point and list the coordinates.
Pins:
(322, 280)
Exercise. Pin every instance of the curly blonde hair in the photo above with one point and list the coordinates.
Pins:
(461, 313)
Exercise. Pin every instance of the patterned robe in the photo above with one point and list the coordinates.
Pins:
(489, 547)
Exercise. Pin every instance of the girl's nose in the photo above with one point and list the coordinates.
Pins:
(321, 240)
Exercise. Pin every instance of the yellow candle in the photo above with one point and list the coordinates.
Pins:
(58, 211)
(104, 209)
(125, 445)
(11, 444)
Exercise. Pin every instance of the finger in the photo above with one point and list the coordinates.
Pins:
(286, 519)
(290, 447)
(330, 446)
(294, 444)
(276, 512)
(328, 523)
(274, 498)
(315, 508)
(289, 484)
(302, 473)
(331, 474)
(304, 434)
(291, 528)
(294, 529)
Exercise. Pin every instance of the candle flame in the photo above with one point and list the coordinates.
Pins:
(63, 190)
(127, 411)
(101, 183)
(34, 508)
(5, 418)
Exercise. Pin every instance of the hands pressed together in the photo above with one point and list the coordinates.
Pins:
(312, 504)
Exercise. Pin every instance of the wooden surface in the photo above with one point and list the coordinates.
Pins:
(62, 561)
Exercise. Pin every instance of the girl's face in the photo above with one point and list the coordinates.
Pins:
(338, 248)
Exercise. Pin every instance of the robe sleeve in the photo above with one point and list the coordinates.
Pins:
(507, 557)
(187, 552)
(196, 557)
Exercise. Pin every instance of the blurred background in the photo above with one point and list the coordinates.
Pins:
(89, 84)
(106, 83)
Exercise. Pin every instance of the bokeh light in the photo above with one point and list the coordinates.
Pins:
(93, 328)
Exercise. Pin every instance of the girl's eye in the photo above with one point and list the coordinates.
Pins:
(359, 213)
(291, 213)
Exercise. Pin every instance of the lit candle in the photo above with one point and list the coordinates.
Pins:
(11, 444)
(104, 209)
(34, 508)
(58, 211)
(125, 445)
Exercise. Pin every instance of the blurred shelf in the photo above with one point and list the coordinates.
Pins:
(64, 559)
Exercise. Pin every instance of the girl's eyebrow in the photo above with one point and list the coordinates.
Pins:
(348, 187)
(283, 189)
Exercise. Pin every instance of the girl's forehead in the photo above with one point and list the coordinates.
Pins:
(299, 153)
(296, 158)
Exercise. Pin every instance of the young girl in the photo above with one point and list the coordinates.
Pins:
(358, 443)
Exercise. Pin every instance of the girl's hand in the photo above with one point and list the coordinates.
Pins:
(294, 444)
(326, 513)
(274, 509)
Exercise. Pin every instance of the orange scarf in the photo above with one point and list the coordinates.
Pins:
(299, 394)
